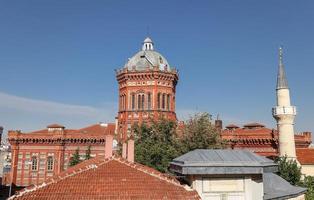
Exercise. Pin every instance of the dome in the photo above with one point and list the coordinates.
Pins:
(148, 40)
(147, 58)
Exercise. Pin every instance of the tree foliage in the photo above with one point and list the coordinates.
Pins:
(87, 153)
(75, 159)
(308, 182)
(289, 170)
(199, 133)
(158, 143)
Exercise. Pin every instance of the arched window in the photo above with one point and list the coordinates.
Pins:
(34, 163)
(149, 101)
(133, 101)
(143, 102)
(50, 163)
(163, 101)
(139, 99)
(168, 101)
(158, 101)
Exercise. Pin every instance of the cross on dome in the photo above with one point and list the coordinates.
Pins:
(148, 45)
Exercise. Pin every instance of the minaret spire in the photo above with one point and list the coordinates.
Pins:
(284, 113)
(281, 77)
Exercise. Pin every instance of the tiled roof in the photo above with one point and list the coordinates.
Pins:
(232, 126)
(91, 132)
(305, 156)
(253, 125)
(55, 126)
(113, 178)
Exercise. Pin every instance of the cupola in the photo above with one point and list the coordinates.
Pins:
(148, 45)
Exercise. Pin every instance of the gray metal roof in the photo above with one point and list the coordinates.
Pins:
(226, 161)
(282, 82)
(276, 187)
(147, 58)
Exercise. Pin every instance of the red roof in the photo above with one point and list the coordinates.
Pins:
(253, 125)
(305, 156)
(231, 126)
(55, 126)
(91, 132)
(113, 178)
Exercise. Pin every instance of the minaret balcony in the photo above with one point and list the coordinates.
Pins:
(284, 110)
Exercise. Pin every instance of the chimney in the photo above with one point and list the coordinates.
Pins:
(130, 153)
(124, 150)
(116, 126)
(108, 146)
(218, 125)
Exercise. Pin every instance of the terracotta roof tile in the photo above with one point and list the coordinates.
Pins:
(305, 156)
(232, 126)
(55, 126)
(95, 131)
(254, 125)
(113, 178)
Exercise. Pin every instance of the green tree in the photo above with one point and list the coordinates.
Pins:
(308, 182)
(75, 159)
(199, 133)
(158, 143)
(87, 153)
(155, 145)
(289, 170)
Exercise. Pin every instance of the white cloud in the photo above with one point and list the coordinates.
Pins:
(32, 114)
(40, 106)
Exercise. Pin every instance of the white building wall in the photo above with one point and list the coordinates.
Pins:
(227, 188)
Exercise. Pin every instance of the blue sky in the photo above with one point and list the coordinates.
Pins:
(57, 58)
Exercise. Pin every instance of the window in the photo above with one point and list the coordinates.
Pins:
(163, 101)
(123, 102)
(143, 101)
(34, 163)
(149, 101)
(158, 101)
(168, 102)
(133, 101)
(50, 163)
(139, 102)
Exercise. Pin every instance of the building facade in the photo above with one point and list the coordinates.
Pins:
(147, 88)
(233, 174)
(260, 139)
(39, 155)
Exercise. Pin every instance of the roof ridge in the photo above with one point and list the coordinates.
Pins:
(154, 172)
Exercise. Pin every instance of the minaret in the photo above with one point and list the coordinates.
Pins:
(284, 113)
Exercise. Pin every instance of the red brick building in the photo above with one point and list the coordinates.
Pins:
(147, 88)
(41, 154)
(259, 139)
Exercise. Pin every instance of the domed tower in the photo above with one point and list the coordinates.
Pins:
(147, 88)
(284, 113)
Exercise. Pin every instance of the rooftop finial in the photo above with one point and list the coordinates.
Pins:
(281, 78)
(148, 44)
(280, 55)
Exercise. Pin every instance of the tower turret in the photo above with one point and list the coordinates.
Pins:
(147, 89)
(284, 113)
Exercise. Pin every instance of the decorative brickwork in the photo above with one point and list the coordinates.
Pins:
(42, 154)
(259, 139)
(147, 88)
